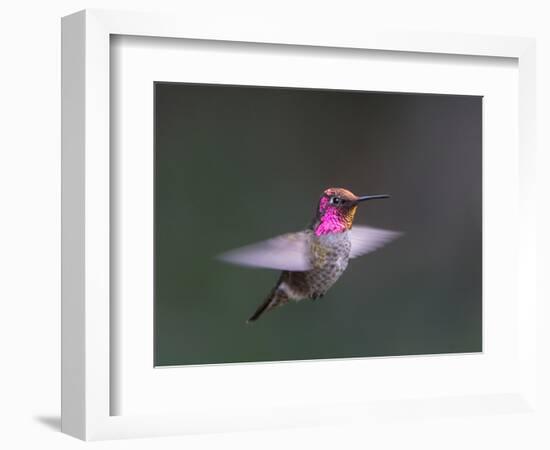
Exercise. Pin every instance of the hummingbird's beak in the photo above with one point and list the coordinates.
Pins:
(371, 197)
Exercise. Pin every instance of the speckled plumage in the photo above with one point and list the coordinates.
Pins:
(329, 256)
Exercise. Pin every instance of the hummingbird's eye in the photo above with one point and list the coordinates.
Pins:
(336, 200)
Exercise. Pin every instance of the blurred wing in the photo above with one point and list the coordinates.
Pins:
(367, 239)
(286, 252)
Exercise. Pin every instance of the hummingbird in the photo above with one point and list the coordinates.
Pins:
(313, 260)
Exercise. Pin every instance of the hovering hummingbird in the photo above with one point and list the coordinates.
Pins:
(312, 260)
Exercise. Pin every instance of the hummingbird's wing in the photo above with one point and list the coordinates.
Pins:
(286, 252)
(367, 239)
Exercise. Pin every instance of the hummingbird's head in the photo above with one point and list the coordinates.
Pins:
(336, 210)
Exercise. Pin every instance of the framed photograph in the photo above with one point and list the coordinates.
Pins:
(266, 227)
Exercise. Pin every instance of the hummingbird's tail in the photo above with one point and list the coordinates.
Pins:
(275, 298)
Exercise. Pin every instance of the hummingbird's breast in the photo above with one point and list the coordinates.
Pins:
(330, 251)
(329, 255)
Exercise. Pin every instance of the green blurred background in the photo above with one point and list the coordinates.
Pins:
(234, 165)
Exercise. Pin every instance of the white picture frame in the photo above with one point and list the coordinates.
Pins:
(86, 201)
